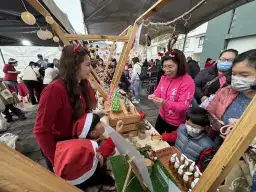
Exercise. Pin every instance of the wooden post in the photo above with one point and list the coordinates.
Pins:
(97, 37)
(110, 56)
(230, 152)
(152, 10)
(98, 87)
(55, 26)
(19, 173)
(95, 75)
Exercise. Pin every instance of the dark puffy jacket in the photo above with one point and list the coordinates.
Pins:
(193, 68)
(203, 78)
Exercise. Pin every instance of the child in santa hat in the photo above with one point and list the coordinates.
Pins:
(79, 161)
(90, 127)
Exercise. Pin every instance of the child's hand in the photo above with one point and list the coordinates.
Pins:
(119, 126)
(164, 136)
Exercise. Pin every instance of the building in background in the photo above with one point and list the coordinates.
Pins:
(194, 42)
(235, 29)
(193, 46)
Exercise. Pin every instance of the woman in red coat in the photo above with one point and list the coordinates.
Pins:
(64, 101)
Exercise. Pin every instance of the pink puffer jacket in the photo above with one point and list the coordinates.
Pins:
(178, 93)
(222, 100)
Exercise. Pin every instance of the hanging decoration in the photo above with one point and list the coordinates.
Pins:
(49, 34)
(149, 23)
(41, 34)
(148, 39)
(56, 39)
(28, 18)
(60, 47)
(49, 20)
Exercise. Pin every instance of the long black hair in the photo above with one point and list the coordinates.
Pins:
(70, 63)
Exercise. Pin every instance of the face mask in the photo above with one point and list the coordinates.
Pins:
(224, 65)
(192, 131)
(242, 84)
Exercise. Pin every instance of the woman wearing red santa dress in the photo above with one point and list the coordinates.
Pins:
(64, 101)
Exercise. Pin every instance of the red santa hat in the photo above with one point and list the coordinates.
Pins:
(82, 126)
(76, 160)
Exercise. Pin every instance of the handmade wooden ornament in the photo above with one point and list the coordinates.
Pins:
(192, 167)
(149, 165)
(156, 139)
(28, 18)
(186, 178)
(142, 134)
(180, 172)
(193, 184)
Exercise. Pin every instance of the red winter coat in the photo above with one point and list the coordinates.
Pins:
(54, 117)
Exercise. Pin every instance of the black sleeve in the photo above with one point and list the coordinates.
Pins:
(196, 69)
(199, 82)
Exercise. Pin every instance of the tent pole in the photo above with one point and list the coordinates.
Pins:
(2, 55)
(184, 43)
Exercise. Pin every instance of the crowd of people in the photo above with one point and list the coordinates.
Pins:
(197, 108)
(27, 84)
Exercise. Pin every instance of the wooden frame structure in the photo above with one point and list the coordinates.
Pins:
(229, 153)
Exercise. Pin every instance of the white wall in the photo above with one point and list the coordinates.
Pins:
(25, 54)
(242, 44)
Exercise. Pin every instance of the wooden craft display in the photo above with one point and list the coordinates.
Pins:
(235, 144)
(130, 119)
(163, 156)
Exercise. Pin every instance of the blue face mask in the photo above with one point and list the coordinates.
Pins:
(224, 65)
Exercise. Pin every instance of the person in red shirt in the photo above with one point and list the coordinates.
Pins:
(64, 101)
(10, 74)
(209, 63)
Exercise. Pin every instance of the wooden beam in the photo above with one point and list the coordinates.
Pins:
(230, 152)
(125, 31)
(123, 58)
(152, 10)
(98, 87)
(112, 49)
(97, 37)
(19, 173)
(55, 26)
(96, 75)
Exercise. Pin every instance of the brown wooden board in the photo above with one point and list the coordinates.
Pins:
(19, 173)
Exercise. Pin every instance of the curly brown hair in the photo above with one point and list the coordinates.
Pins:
(69, 67)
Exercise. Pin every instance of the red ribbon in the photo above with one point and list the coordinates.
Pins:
(172, 53)
(76, 48)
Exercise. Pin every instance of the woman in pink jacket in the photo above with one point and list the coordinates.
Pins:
(174, 92)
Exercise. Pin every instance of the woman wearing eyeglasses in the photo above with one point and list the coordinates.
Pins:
(209, 80)
(174, 92)
(64, 101)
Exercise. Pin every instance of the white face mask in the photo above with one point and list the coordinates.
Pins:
(242, 84)
(192, 131)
